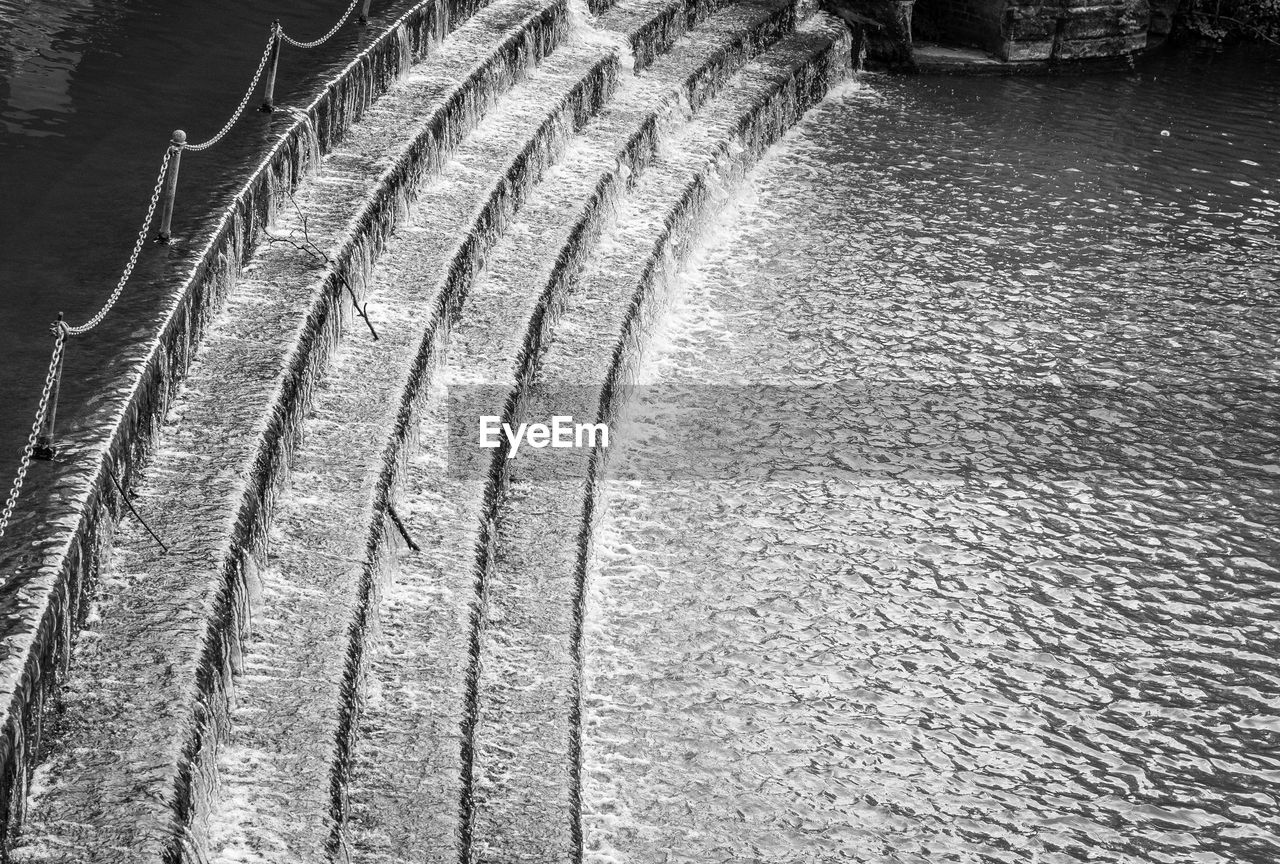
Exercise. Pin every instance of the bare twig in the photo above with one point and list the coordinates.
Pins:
(395, 519)
(124, 497)
(319, 254)
(1252, 27)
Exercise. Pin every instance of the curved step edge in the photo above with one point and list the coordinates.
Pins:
(698, 72)
(562, 517)
(491, 220)
(178, 835)
(696, 88)
(51, 589)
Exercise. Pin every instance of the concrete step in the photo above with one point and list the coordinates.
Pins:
(57, 545)
(526, 752)
(283, 776)
(130, 773)
(449, 499)
(331, 466)
(276, 583)
(210, 435)
(407, 758)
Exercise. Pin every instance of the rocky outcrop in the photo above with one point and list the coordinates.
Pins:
(882, 27)
(1029, 32)
(1074, 30)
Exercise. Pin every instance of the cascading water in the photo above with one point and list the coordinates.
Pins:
(39, 584)
(367, 638)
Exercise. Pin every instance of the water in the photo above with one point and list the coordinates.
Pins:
(89, 95)
(987, 572)
(946, 529)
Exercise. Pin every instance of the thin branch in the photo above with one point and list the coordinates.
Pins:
(319, 254)
(1252, 27)
(125, 498)
(404, 532)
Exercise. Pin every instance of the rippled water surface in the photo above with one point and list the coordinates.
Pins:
(988, 571)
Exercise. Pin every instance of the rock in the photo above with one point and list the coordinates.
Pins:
(883, 26)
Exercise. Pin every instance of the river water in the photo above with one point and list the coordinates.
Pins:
(945, 526)
(944, 529)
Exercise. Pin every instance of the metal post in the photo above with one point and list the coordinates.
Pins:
(364, 12)
(269, 89)
(45, 449)
(171, 185)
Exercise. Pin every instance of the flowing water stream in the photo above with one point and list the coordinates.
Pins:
(945, 529)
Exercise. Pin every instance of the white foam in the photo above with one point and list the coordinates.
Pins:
(586, 31)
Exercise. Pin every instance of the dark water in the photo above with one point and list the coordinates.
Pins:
(89, 95)
(947, 529)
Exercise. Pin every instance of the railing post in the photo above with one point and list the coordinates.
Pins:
(45, 449)
(269, 88)
(171, 185)
(364, 12)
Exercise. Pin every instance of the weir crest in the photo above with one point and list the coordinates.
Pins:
(498, 220)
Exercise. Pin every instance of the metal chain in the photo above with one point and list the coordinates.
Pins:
(155, 197)
(133, 258)
(326, 37)
(63, 330)
(41, 411)
(248, 94)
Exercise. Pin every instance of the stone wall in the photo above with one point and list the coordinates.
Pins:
(1015, 31)
(1073, 29)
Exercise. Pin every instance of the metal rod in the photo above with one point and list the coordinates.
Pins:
(364, 12)
(269, 88)
(171, 185)
(395, 520)
(136, 515)
(45, 448)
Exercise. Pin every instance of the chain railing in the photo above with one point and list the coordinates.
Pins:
(41, 444)
(138, 243)
(248, 94)
(326, 37)
(28, 452)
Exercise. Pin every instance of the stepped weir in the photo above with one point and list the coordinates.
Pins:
(491, 197)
